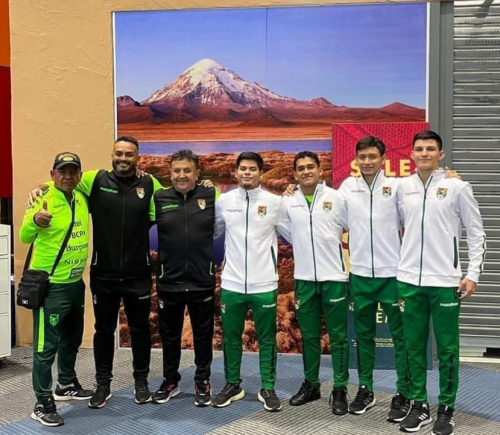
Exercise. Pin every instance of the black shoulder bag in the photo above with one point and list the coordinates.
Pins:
(34, 284)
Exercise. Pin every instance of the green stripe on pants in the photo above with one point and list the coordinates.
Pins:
(419, 305)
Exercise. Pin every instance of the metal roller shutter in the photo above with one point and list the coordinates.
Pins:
(476, 153)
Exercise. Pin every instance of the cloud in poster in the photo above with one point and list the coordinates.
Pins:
(359, 56)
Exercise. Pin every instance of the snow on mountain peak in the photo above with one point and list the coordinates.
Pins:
(204, 65)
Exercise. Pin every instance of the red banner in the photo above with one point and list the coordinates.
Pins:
(397, 137)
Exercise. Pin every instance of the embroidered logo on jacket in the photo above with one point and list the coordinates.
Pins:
(140, 192)
(262, 210)
(387, 191)
(297, 304)
(327, 206)
(223, 308)
(441, 193)
(202, 204)
(401, 304)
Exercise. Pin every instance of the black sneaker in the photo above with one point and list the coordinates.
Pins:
(72, 392)
(202, 394)
(444, 424)
(230, 393)
(338, 401)
(400, 407)
(166, 391)
(418, 416)
(363, 401)
(306, 394)
(142, 393)
(270, 400)
(100, 397)
(46, 413)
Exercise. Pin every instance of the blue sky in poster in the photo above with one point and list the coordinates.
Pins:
(359, 56)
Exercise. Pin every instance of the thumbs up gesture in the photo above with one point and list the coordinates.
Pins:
(43, 217)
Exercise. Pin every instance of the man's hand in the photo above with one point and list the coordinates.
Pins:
(139, 173)
(290, 190)
(35, 193)
(449, 173)
(207, 183)
(43, 217)
(467, 287)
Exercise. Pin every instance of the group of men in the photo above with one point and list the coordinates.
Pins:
(413, 277)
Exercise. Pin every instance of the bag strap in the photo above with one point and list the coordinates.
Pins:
(63, 246)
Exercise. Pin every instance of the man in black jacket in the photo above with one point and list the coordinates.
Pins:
(185, 215)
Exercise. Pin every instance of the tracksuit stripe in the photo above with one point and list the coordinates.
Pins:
(41, 330)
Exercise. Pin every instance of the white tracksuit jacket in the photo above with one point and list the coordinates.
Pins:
(434, 215)
(251, 245)
(374, 225)
(315, 233)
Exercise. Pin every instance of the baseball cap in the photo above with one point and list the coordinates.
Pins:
(67, 158)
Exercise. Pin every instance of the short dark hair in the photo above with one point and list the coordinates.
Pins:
(303, 155)
(250, 155)
(186, 155)
(429, 135)
(369, 142)
(129, 139)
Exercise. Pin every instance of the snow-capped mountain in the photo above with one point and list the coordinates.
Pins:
(207, 83)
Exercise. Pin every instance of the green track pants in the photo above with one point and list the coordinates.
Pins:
(418, 306)
(57, 329)
(311, 299)
(234, 308)
(366, 294)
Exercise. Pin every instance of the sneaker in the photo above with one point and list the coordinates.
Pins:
(363, 401)
(142, 393)
(166, 391)
(306, 394)
(270, 400)
(338, 401)
(444, 424)
(73, 391)
(418, 416)
(230, 393)
(46, 413)
(400, 407)
(100, 397)
(202, 394)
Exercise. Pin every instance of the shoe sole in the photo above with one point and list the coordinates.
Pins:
(103, 404)
(36, 418)
(416, 429)
(203, 404)
(143, 402)
(338, 412)
(261, 399)
(366, 408)
(305, 402)
(239, 396)
(67, 398)
(433, 433)
(174, 393)
(397, 420)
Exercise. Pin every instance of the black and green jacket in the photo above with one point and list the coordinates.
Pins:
(185, 239)
(121, 209)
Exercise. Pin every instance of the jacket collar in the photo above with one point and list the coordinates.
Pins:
(251, 193)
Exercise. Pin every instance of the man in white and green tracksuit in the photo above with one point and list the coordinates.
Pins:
(430, 281)
(249, 278)
(374, 225)
(58, 323)
(311, 219)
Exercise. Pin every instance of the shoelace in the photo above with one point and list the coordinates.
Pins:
(361, 396)
(445, 417)
(336, 394)
(398, 402)
(202, 388)
(49, 406)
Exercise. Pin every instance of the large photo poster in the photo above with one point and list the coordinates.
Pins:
(271, 80)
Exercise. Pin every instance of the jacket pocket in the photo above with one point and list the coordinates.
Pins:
(273, 255)
(341, 257)
(94, 261)
(455, 253)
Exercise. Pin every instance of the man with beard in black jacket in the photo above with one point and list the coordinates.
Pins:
(185, 215)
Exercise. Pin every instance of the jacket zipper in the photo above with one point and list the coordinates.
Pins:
(186, 245)
(341, 257)
(422, 231)
(455, 253)
(274, 259)
(370, 187)
(124, 193)
(312, 233)
(246, 244)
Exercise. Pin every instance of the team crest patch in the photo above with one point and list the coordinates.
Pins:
(140, 192)
(202, 204)
(223, 308)
(441, 193)
(54, 319)
(297, 304)
(262, 210)
(351, 305)
(401, 304)
(160, 304)
(387, 191)
(327, 206)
